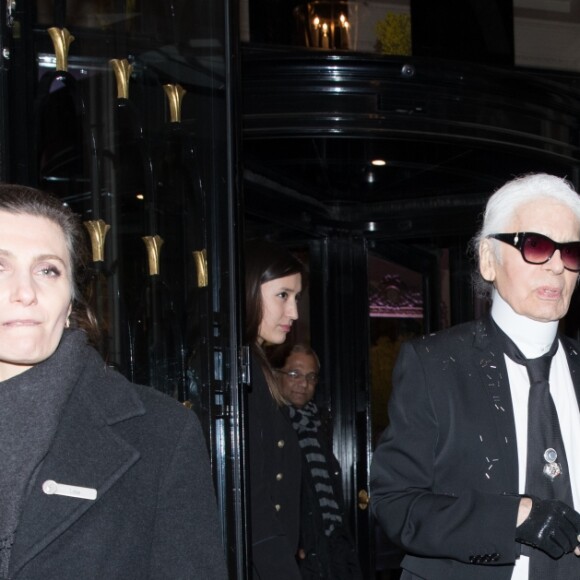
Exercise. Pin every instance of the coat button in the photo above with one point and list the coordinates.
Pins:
(279, 476)
(281, 443)
(277, 507)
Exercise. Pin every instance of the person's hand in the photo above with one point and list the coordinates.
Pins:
(551, 526)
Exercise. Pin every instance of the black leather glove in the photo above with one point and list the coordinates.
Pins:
(552, 527)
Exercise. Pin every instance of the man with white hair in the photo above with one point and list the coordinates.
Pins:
(478, 474)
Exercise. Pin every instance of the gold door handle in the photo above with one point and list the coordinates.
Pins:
(153, 245)
(200, 258)
(61, 41)
(363, 499)
(174, 95)
(97, 231)
(122, 70)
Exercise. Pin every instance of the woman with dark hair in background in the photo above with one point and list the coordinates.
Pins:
(273, 287)
(100, 478)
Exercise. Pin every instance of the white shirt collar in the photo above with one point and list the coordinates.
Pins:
(532, 337)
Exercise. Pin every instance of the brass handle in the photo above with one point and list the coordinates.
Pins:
(61, 40)
(97, 231)
(123, 71)
(153, 245)
(363, 499)
(200, 258)
(175, 95)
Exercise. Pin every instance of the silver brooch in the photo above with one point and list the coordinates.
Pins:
(551, 469)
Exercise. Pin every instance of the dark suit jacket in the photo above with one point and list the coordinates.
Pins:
(444, 477)
(155, 514)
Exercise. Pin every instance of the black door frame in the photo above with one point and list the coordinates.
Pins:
(339, 325)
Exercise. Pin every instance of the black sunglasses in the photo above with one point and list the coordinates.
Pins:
(538, 249)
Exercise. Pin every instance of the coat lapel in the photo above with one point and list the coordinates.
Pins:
(489, 359)
(86, 452)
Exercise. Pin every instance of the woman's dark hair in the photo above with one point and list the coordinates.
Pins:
(265, 262)
(23, 200)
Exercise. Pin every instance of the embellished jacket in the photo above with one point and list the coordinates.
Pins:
(444, 476)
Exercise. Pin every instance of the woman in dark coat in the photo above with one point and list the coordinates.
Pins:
(273, 287)
(100, 478)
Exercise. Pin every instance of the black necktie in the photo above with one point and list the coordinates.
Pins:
(547, 475)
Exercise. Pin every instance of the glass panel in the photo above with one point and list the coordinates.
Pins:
(107, 147)
(547, 34)
(541, 34)
(375, 26)
(396, 315)
(121, 89)
(130, 122)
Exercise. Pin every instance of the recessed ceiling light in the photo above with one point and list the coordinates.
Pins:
(378, 162)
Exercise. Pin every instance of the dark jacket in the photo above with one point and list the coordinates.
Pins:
(275, 464)
(444, 477)
(155, 513)
(331, 557)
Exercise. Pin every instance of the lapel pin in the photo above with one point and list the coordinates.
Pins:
(50, 487)
(551, 468)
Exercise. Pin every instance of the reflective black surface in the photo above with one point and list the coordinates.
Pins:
(449, 132)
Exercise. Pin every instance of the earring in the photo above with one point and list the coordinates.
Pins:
(67, 323)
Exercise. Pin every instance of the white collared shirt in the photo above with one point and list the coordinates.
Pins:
(534, 339)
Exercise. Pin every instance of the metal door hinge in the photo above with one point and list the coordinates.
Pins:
(245, 372)
(363, 499)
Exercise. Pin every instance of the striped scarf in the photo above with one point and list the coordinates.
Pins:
(306, 422)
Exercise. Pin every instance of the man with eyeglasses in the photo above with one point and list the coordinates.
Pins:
(327, 551)
(478, 474)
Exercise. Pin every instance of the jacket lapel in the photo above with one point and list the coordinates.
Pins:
(86, 452)
(573, 358)
(489, 359)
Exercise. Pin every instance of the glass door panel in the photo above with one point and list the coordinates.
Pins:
(408, 296)
(126, 111)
